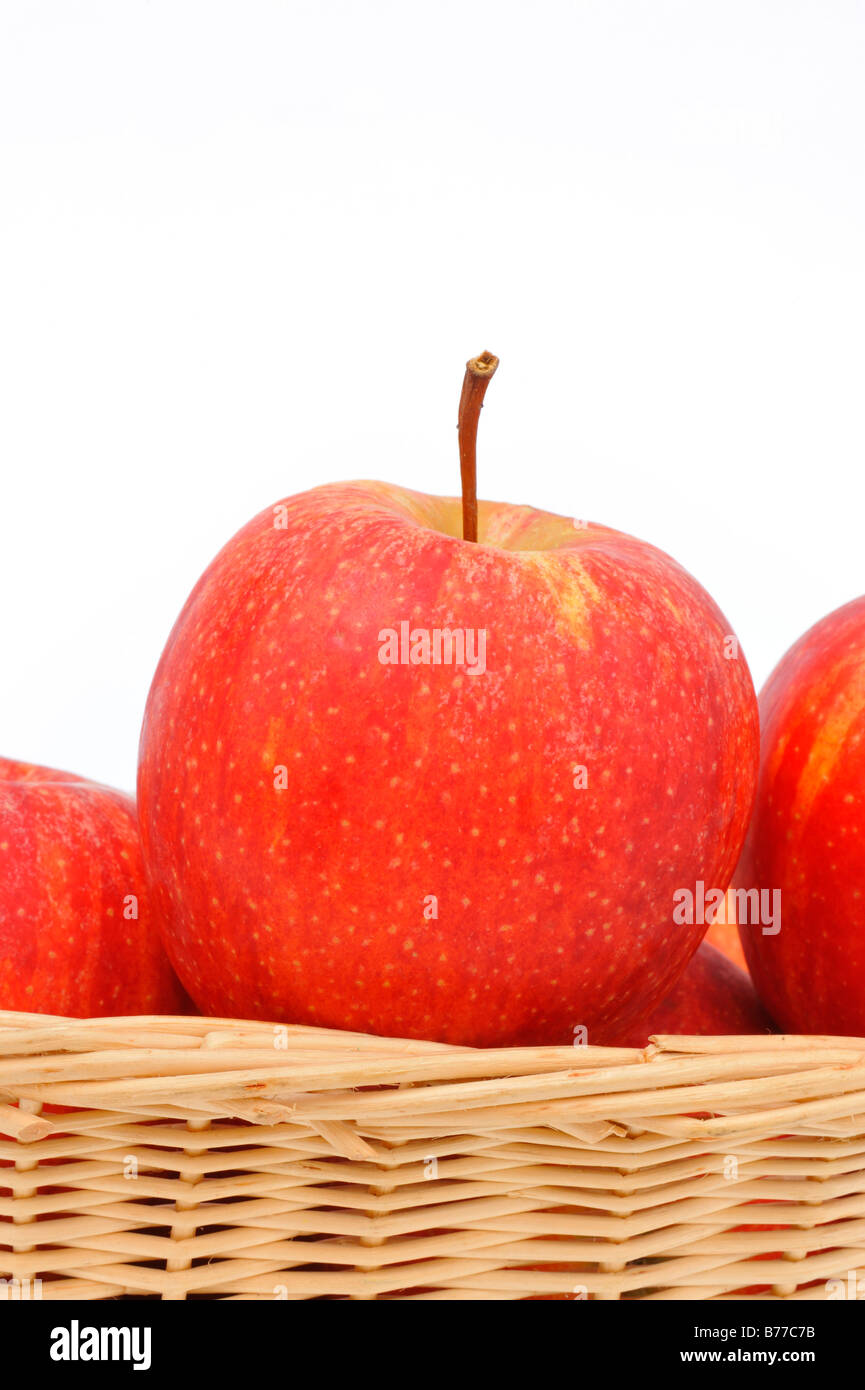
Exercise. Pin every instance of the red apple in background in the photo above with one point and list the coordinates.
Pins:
(341, 830)
(807, 838)
(77, 933)
(711, 996)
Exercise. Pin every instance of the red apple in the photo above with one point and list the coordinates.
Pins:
(77, 932)
(712, 996)
(341, 830)
(807, 838)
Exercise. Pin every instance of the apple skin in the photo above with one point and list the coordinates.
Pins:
(807, 837)
(70, 857)
(306, 903)
(712, 996)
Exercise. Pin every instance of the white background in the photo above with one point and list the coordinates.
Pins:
(247, 248)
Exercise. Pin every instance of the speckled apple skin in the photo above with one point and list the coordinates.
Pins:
(554, 903)
(69, 857)
(808, 833)
(711, 996)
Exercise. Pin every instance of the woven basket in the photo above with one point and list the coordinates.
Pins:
(204, 1157)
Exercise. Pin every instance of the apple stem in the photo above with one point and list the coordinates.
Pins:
(479, 373)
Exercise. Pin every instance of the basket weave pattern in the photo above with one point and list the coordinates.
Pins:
(210, 1157)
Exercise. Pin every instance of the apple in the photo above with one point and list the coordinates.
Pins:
(807, 838)
(712, 995)
(77, 931)
(396, 780)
